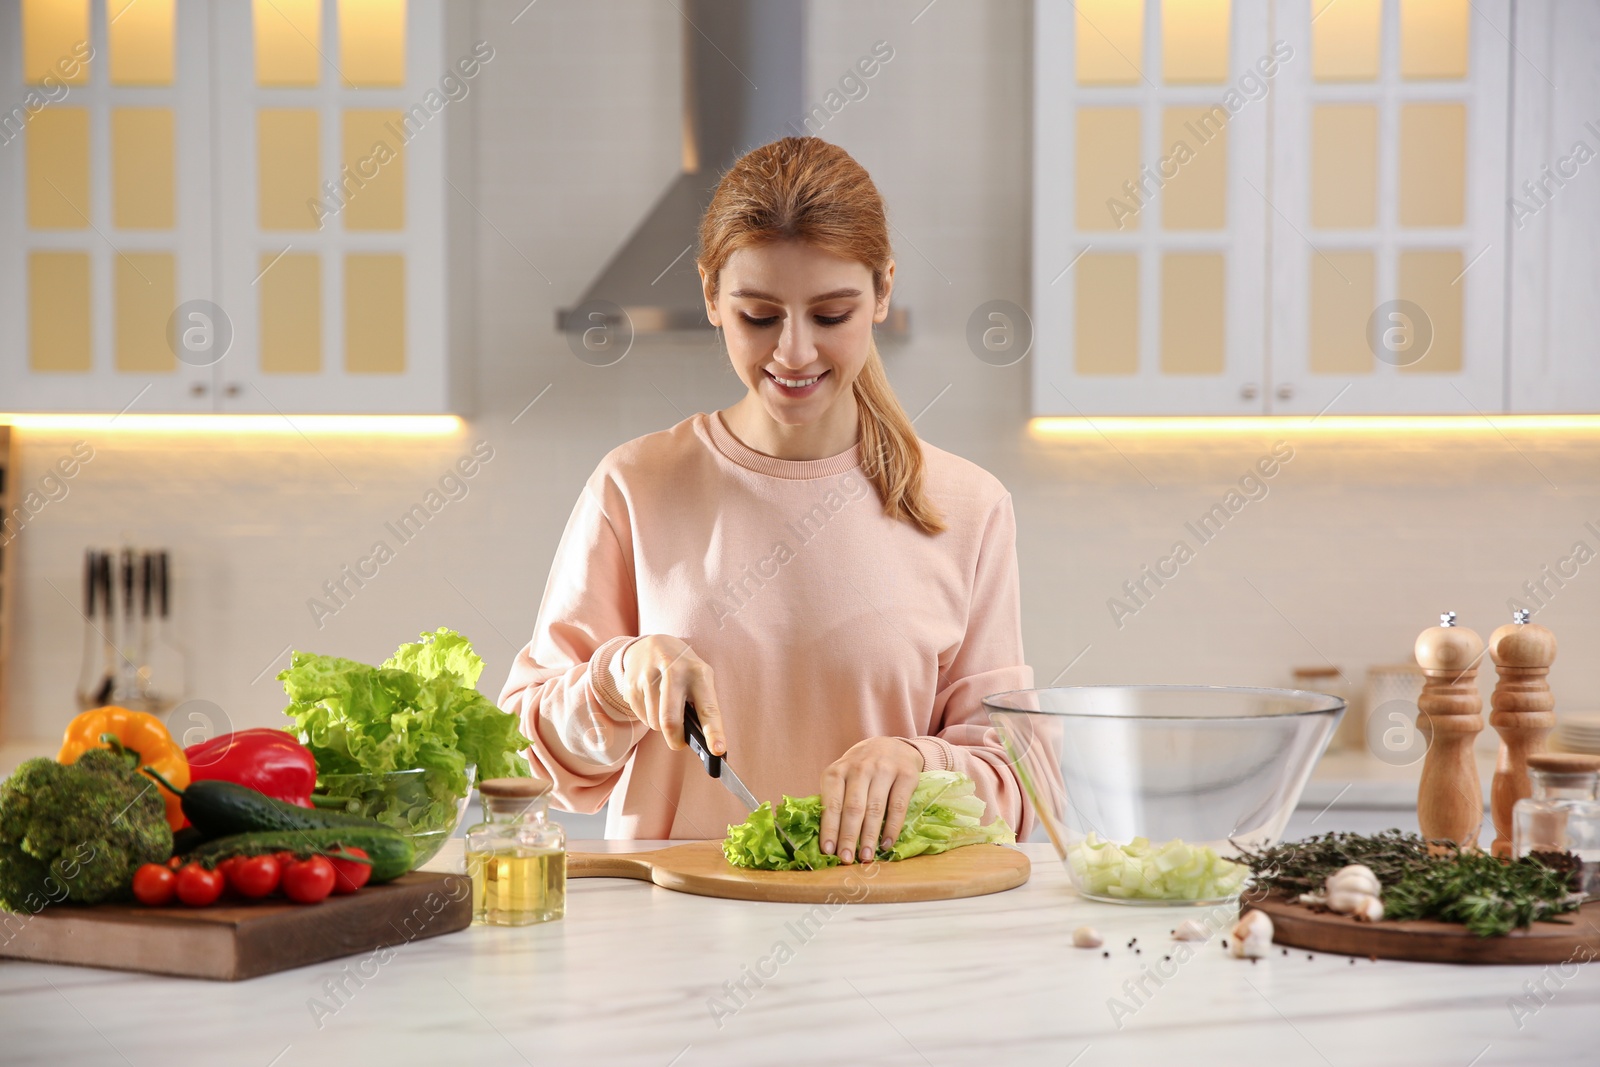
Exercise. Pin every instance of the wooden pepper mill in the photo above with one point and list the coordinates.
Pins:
(1523, 713)
(1450, 712)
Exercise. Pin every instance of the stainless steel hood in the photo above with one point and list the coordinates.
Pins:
(744, 86)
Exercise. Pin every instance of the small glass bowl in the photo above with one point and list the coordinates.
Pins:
(415, 802)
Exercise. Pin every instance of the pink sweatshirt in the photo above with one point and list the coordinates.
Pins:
(824, 620)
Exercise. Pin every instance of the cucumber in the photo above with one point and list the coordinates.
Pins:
(219, 808)
(389, 850)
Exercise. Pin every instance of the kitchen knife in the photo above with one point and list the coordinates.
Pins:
(717, 767)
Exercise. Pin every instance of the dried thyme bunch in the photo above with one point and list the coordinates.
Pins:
(1296, 867)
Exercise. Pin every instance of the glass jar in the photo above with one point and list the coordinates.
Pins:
(1563, 814)
(517, 857)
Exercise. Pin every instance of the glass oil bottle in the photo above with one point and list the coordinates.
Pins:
(517, 857)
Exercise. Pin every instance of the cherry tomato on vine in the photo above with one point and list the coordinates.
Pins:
(308, 881)
(154, 884)
(348, 874)
(254, 876)
(197, 886)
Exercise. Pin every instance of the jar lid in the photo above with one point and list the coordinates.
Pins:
(514, 788)
(1315, 672)
(1564, 763)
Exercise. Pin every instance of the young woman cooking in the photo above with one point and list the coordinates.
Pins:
(834, 596)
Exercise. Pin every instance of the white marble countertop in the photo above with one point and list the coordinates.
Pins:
(632, 974)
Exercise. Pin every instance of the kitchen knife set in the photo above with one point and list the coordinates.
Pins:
(129, 656)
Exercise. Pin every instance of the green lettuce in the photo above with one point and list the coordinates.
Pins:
(418, 710)
(944, 813)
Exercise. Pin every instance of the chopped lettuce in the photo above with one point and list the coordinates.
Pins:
(418, 710)
(944, 813)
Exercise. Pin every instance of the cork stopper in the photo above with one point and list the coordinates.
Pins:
(513, 788)
(1448, 647)
(1564, 763)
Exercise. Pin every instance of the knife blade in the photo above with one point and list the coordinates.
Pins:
(718, 768)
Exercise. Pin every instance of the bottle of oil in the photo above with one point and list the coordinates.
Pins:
(517, 857)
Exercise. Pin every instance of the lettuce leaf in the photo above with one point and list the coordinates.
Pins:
(944, 813)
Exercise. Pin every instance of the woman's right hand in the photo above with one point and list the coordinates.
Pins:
(659, 673)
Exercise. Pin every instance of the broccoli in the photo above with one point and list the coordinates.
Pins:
(77, 832)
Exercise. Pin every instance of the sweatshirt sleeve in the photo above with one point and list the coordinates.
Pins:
(988, 660)
(560, 687)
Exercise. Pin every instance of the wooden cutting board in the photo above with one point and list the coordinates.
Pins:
(245, 939)
(1433, 942)
(699, 867)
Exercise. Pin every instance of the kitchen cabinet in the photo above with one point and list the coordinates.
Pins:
(1296, 206)
(227, 207)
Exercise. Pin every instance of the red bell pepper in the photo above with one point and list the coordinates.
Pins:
(265, 759)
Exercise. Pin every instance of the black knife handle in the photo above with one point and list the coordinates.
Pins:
(697, 741)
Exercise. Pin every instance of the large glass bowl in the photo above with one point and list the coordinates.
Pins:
(1118, 773)
(419, 803)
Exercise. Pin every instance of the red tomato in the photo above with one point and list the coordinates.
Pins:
(308, 881)
(174, 863)
(253, 876)
(348, 875)
(197, 886)
(225, 868)
(285, 858)
(154, 884)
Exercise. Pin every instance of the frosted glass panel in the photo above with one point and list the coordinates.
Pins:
(1107, 333)
(288, 36)
(1432, 280)
(1343, 285)
(1433, 38)
(55, 41)
(58, 312)
(1344, 166)
(142, 161)
(1195, 197)
(374, 314)
(375, 169)
(1433, 164)
(57, 145)
(1107, 157)
(1193, 310)
(287, 162)
(1110, 41)
(140, 36)
(291, 313)
(146, 288)
(372, 42)
(1345, 38)
(1194, 40)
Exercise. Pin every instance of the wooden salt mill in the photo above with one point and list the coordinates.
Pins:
(1523, 713)
(1450, 711)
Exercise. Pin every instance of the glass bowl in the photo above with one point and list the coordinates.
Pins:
(419, 803)
(1146, 790)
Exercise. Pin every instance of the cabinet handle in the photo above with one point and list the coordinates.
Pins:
(198, 389)
(233, 389)
(1248, 391)
(1286, 391)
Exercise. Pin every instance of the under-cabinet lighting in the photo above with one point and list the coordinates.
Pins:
(358, 425)
(1136, 425)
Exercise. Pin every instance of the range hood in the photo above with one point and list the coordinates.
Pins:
(743, 86)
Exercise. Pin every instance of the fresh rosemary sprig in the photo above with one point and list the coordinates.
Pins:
(1487, 895)
(1296, 867)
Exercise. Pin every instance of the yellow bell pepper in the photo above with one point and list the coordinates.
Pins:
(139, 732)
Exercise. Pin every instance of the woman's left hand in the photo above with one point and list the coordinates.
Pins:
(865, 793)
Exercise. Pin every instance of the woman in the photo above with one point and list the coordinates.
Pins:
(834, 596)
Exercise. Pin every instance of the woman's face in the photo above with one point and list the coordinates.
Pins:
(797, 322)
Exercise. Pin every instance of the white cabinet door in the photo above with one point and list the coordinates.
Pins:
(1150, 212)
(1554, 209)
(105, 221)
(1387, 289)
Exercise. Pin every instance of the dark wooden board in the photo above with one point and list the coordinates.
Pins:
(241, 940)
(699, 867)
(1299, 926)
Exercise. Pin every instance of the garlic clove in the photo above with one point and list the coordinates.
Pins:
(1189, 930)
(1252, 936)
(1086, 937)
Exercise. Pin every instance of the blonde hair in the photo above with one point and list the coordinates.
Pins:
(805, 189)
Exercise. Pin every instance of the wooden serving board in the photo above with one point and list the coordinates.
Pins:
(1427, 940)
(245, 939)
(699, 867)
